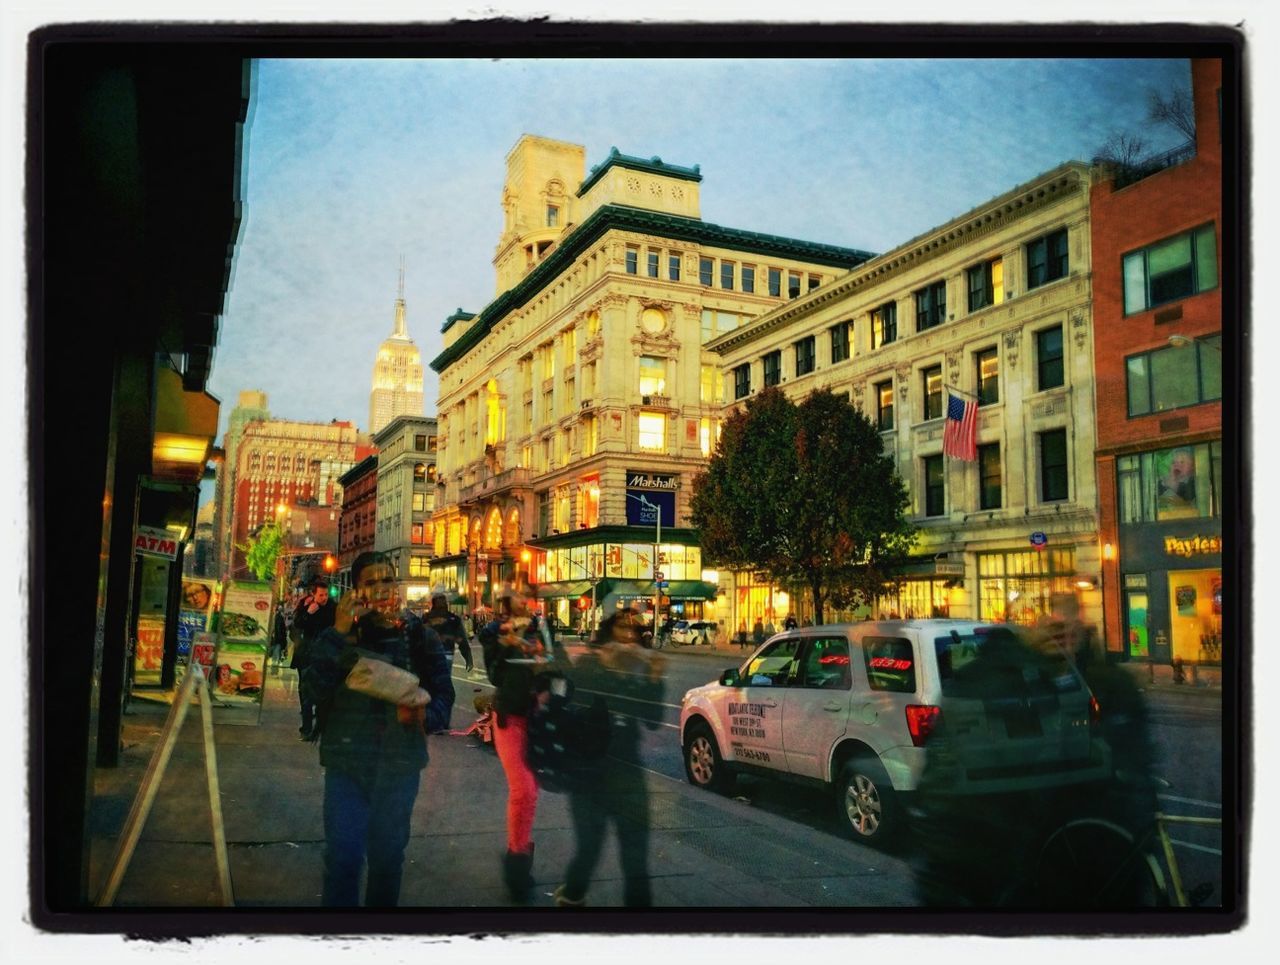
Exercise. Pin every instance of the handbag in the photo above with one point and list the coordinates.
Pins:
(385, 681)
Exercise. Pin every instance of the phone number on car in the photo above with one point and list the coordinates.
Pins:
(749, 754)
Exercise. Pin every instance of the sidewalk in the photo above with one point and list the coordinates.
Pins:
(1159, 678)
(705, 851)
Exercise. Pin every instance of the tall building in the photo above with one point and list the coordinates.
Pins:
(576, 407)
(405, 494)
(397, 374)
(357, 521)
(288, 472)
(1158, 242)
(252, 406)
(994, 304)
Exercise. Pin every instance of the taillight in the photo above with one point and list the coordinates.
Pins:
(922, 720)
(1095, 711)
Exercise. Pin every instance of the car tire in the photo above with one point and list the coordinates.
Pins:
(703, 765)
(866, 802)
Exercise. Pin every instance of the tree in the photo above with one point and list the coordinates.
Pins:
(805, 493)
(1124, 152)
(263, 550)
(1176, 110)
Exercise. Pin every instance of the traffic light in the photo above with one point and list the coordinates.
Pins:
(335, 591)
(584, 603)
(330, 563)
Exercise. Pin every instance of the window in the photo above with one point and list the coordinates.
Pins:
(1053, 465)
(553, 216)
(1171, 269)
(934, 488)
(932, 379)
(773, 367)
(775, 665)
(419, 566)
(420, 472)
(890, 664)
(417, 534)
(986, 284)
(420, 443)
(673, 267)
(653, 375)
(826, 665)
(652, 430)
(653, 264)
(1180, 483)
(775, 282)
(704, 271)
(1176, 376)
(419, 502)
(814, 281)
(987, 363)
(633, 257)
(742, 381)
(931, 306)
(1047, 259)
(710, 384)
(793, 285)
(989, 476)
(884, 405)
(839, 342)
(726, 275)
(804, 356)
(432, 443)
(748, 278)
(884, 324)
(1049, 358)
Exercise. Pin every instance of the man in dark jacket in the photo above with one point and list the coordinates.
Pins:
(448, 627)
(373, 752)
(313, 615)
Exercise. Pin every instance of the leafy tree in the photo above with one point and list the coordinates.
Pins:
(263, 550)
(805, 493)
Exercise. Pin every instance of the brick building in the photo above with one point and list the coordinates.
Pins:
(358, 519)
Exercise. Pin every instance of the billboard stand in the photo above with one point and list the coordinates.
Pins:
(243, 637)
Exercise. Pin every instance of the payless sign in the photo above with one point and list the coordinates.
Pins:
(155, 542)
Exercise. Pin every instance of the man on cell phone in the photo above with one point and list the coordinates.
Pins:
(314, 614)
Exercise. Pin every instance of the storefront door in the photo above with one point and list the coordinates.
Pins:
(1135, 621)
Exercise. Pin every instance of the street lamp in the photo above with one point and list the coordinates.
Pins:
(657, 550)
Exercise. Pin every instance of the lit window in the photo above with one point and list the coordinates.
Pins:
(653, 375)
(932, 379)
(884, 405)
(988, 372)
(884, 325)
(986, 284)
(1172, 269)
(652, 430)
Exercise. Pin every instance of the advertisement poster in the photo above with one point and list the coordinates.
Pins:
(238, 673)
(1185, 596)
(244, 624)
(1176, 483)
(193, 617)
(246, 613)
(203, 648)
(149, 653)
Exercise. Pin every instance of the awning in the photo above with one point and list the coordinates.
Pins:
(691, 590)
(625, 589)
(573, 588)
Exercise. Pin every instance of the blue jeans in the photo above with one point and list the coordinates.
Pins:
(366, 815)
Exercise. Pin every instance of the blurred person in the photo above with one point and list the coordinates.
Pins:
(757, 633)
(790, 622)
(448, 627)
(279, 639)
(373, 752)
(314, 614)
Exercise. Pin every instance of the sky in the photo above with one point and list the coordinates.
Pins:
(352, 164)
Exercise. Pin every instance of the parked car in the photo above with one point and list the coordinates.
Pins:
(852, 707)
(694, 631)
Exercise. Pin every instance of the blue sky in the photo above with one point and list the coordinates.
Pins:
(351, 164)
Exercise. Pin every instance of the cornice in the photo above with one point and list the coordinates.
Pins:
(653, 165)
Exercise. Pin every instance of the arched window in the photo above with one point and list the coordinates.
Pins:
(495, 430)
(474, 541)
(493, 530)
(419, 472)
(513, 527)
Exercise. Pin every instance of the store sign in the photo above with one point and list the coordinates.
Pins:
(637, 479)
(155, 542)
(1192, 545)
(644, 505)
(1039, 540)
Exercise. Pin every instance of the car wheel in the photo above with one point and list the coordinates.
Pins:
(868, 805)
(703, 765)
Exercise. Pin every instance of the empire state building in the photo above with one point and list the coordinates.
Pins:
(397, 374)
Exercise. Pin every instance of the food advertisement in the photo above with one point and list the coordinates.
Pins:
(204, 646)
(238, 673)
(244, 625)
(149, 652)
(246, 612)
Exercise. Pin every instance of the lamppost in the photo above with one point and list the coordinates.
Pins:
(657, 550)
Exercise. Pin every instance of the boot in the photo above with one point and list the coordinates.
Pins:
(517, 874)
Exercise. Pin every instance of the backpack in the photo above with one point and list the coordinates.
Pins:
(565, 740)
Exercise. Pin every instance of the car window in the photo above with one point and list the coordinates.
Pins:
(825, 665)
(775, 665)
(982, 658)
(891, 665)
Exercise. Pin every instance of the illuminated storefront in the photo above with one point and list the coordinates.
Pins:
(1020, 586)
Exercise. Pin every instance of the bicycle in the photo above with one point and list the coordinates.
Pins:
(1095, 862)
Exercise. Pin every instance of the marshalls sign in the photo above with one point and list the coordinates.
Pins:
(155, 542)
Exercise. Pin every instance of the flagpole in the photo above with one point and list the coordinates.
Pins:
(951, 388)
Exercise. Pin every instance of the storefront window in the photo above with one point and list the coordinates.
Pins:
(1180, 483)
(1195, 615)
(1019, 587)
(916, 599)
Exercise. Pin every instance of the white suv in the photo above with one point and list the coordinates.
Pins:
(852, 707)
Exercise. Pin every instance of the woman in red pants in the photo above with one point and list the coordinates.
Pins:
(512, 650)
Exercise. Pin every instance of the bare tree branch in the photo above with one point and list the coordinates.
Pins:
(1176, 110)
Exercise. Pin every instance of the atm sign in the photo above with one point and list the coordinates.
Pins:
(155, 542)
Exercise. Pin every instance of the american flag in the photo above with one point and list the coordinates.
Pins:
(960, 438)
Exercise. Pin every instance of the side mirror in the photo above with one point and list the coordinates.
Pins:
(729, 678)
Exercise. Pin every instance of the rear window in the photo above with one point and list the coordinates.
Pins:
(891, 665)
(968, 656)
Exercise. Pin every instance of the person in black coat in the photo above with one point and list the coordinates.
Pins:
(449, 627)
(315, 613)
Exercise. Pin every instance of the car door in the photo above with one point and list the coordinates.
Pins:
(816, 709)
(753, 712)
(885, 680)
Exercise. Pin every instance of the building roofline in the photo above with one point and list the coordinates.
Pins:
(458, 316)
(389, 429)
(653, 165)
(361, 468)
(615, 217)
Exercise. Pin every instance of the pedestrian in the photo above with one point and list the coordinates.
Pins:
(757, 632)
(769, 630)
(448, 627)
(373, 751)
(790, 622)
(614, 793)
(511, 651)
(742, 635)
(279, 640)
(314, 615)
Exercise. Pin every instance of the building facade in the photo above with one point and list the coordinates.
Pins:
(251, 407)
(288, 472)
(576, 407)
(405, 497)
(1157, 237)
(397, 374)
(357, 523)
(995, 305)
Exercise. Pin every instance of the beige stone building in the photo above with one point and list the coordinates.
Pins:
(397, 373)
(406, 494)
(575, 408)
(995, 304)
